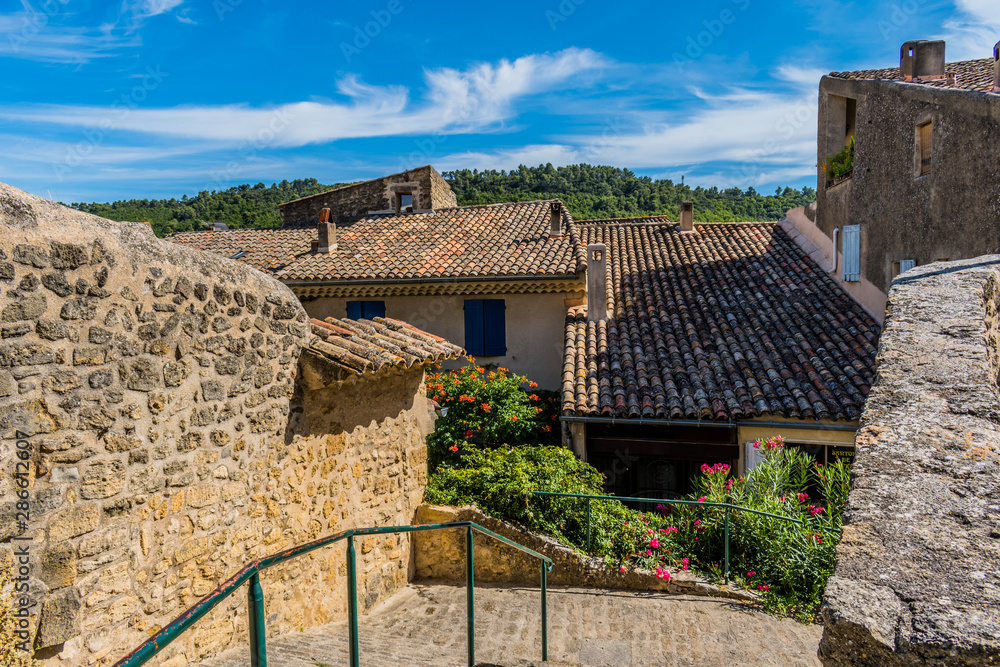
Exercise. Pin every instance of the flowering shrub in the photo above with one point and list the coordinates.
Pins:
(487, 407)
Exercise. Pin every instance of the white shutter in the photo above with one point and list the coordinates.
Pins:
(753, 457)
(906, 264)
(852, 252)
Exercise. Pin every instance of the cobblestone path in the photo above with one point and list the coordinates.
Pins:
(425, 625)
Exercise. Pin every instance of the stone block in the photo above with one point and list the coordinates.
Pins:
(103, 479)
(60, 618)
(73, 522)
(27, 418)
(57, 565)
(202, 495)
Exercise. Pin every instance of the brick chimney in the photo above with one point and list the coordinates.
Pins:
(555, 220)
(922, 60)
(327, 233)
(597, 282)
(687, 216)
(996, 68)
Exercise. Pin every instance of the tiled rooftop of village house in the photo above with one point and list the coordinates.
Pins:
(370, 346)
(976, 75)
(730, 321)
(469, 241)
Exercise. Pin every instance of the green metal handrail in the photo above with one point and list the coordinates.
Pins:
(699, 503)
(255, 594)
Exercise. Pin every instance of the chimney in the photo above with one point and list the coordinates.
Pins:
(555, 220)
(597, 282)
(922, 60)
(327, 233)
(687, 216)
(996, 68)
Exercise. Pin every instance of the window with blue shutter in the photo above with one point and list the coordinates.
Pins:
(485, 327)
(906, 264)
(365, 310)
(852, 252)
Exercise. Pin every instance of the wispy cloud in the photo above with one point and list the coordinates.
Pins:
(477, 99)
(972, 33)
(47, 32)
(761, 136)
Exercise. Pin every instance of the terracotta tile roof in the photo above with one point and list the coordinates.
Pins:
(469, 241)
(730, 321)
(974, 75)
(369, 346)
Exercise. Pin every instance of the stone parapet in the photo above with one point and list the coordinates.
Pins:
(917, 579)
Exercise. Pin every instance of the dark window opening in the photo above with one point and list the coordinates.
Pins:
(365, 310)
(404, 202)
(485, 327)
(924, 148)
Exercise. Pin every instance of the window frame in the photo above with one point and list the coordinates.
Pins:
(485, 327)
(365, 306)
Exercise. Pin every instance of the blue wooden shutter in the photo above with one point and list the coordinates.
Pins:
(906, 264)
(494, 328)
(852, 252)
(474, 339)
(354, 310)
(373, 309)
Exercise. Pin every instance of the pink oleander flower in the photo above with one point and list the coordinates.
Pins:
(802, 497)
(686, 563)
(763, 587)
(622, 568)
(702, 499)
(648, 552)
(697, 522)
(654, 543)
(662, 574)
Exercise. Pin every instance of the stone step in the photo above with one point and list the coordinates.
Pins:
(425, 624)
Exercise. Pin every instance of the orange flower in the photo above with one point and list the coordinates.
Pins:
(485, 407)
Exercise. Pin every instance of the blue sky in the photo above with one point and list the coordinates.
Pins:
(154, 98)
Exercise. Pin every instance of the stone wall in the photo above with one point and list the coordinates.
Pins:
(352, 202)
(950, 213)
(917, 579)
(440, 554)
(169, 442)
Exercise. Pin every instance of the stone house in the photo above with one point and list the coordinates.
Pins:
(175, 416)
(925, 181)
(697, 340)
(496, 279)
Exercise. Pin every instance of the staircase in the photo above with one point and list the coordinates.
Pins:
(424, 624)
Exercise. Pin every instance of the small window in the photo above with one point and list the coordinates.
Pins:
(924, 148)
(852, 252)
(902, 266)
(404, 202)
(485, 327)
(365, 310)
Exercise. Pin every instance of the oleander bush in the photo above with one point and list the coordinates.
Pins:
(496, 447)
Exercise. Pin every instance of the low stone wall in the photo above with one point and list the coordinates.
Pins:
(168, 441)
(440, 554)
(917, 579)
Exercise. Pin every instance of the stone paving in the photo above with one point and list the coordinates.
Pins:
(425, 625)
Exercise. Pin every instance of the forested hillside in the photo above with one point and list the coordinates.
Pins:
(589, 192)
(240, 206)
(610, 192)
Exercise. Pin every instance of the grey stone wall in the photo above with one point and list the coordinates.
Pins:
(170, 442)
(953, 212)
(917, 579)
(352, 202)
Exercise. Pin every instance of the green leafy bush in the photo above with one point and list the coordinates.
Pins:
(841, 164)
(487, 406)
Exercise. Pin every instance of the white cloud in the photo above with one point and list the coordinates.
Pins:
(763, 136)
(476, 99)
(33, 35)
(972, 33)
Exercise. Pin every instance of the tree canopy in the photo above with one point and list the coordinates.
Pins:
(588, 192)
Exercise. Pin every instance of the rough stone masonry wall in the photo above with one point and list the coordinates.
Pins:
(350, 203)
(154, 385)
(917, 579)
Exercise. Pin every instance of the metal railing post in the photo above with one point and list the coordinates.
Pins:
(255, 608)
(588, 526)
(470, 599)
(727, 546)
(352, 601)
(545, 615)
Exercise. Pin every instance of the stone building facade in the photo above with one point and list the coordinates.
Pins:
(925, 184)
(156, 394)
(424, 185)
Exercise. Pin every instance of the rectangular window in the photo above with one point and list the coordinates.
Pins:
(852, 252)
(404, 202)
(902, 265)
(485, 327)
(925, 148)
(365, 310)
